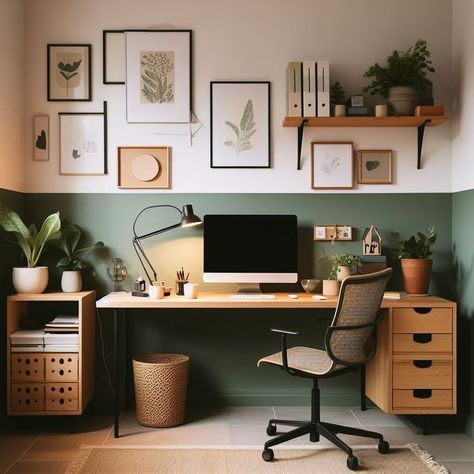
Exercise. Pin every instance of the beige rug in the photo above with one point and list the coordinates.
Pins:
(242, 460)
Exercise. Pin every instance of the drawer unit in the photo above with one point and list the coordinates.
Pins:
(27, 396)
(62, 367)
(61, 396)
(422, 343)
(27, 367)
(422, 399)
(423, 320)
(422, 374)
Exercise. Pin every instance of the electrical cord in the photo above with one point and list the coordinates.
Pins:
(103, 352)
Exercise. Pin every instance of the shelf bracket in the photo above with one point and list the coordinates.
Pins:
(300, 141)
(421, 132)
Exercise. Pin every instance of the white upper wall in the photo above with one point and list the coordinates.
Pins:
(463, 97)
(12, 149)
(245, 40)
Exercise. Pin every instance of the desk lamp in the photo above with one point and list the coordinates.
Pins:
(188, 219)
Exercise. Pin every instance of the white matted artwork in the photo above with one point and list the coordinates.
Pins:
(332, 165)
(41, 138)
(158, 78)
(83, 143)
(240, 124)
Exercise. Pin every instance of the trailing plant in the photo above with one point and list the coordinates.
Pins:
(338, 94)
(403, 68)
(73, 258)
(342, 260)
(31, 241)
(418, 246)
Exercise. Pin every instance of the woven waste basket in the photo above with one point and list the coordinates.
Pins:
(161, 382)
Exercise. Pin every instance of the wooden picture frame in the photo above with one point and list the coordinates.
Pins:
(144, 167)
(332, 232)
(374, 167)
(69, 72)
(240, 124)
(332, 165)
(41, 138)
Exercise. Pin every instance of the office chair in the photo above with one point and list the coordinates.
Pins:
(350, 343)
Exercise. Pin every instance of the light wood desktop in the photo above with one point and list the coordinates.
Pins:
(413, 371)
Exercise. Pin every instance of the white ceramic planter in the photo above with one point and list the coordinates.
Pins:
(30, 280)
(71, 281)
(343, 271)
(331, 287)
(402, 100)
(339, 110)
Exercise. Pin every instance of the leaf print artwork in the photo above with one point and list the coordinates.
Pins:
(41, 141)
(371, 165)
(243, 134)
(157, 73)
(68, 71)
(330, 163)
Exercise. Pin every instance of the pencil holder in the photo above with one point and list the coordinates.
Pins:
(180, 287)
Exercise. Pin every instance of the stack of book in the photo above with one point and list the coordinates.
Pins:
(395, 295)
(31, 340)
(62, 334)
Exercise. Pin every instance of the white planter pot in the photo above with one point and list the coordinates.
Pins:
(30, 280)
(339, 110)
(402, 100)
(343, 271)
(71, 281)
(331, 287)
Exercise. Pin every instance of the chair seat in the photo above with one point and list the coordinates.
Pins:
(304, 359)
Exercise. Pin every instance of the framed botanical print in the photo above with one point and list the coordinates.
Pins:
(332, 165)
(158, 76)
(240, 124)
(41, 138)
(69, 72)
(83, 142)
(374, 167)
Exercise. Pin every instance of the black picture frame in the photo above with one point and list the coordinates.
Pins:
(216, 115)
(105, 33)
(88, 78)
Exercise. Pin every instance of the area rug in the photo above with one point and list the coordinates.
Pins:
(244, 460)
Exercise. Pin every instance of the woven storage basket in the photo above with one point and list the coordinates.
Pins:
(161, 382)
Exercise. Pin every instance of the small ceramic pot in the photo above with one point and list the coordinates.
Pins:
(30, 280)
(339, 110)
(331, 287)
(71, 281)
(191, 290)
(402, 100)
(343, 271)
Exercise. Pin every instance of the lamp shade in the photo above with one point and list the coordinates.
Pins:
(188, 218)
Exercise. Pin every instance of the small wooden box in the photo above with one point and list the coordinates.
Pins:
(61, 396)
(27, 396)
(27, 367)
(62, 367)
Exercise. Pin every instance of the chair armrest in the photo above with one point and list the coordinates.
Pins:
(284, 348)
(285, 331)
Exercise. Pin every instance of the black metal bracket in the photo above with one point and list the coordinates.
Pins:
(421, 132)
(300, 140)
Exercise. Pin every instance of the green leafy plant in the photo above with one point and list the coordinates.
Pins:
(342, 260)
(68, 71)
(73, 258)
(245, 132)
(418, 246)
(338, 94)
(403, 68)
(31, 241)
(155, 69)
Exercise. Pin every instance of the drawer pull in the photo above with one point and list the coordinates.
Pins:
(422, 393)
(423, 364)
(422, 338)
(422, 310)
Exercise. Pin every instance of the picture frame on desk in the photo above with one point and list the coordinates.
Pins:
(332, 165)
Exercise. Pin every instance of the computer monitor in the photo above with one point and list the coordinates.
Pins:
(250, 249)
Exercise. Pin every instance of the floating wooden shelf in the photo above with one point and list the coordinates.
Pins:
(408, 121)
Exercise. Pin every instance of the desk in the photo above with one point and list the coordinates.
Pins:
(416, 334)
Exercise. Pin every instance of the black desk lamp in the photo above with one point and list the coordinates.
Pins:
(188, 219)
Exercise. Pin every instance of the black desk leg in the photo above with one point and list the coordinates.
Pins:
(363, 400)
(117, 372)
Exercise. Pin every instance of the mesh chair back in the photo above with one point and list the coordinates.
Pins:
(350, 340)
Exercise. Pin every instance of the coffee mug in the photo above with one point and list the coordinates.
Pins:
(191, 290)
(156, 292)
(310, 285)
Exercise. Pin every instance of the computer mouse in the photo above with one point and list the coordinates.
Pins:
(293, 296)
(319, 297)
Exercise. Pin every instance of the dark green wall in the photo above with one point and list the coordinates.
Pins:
(463, 267)
(224, 345)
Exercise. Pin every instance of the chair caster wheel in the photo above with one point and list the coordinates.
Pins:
(271, 430)
(352, 463)
(268, 455)
(383, 447)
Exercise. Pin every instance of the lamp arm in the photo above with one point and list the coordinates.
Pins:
(142, 256)
(152, 207)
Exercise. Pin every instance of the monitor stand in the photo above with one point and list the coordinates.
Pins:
(249, 288)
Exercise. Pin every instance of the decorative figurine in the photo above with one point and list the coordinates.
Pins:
(372, 241)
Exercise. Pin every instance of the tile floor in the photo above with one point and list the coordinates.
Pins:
(46, 446)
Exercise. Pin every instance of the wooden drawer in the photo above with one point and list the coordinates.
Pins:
(422, 342)
(62, 396)
(62, 367)
(423, 320)
(27, 396)
(27, 367)
(422, 399)
(421, 374)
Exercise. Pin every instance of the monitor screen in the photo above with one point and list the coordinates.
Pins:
(250, 248)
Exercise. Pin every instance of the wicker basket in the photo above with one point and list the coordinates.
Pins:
(161, 382)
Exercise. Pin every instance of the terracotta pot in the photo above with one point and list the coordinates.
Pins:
(331, 287)
(30, 280)
(416, 274)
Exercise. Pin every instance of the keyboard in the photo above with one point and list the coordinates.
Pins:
(250, 296)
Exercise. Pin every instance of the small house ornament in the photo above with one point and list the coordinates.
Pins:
(372, 241)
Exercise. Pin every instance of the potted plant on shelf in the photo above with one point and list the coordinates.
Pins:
(32, 278)
(416, 266)
(338, 99)
(403, 75)
(341, 268)
(73, 260)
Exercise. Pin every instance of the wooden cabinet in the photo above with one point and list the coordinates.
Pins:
(47, 383)
(414, 368)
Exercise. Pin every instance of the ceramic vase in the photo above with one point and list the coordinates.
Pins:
(331, 287)
(71, 281)
(416, 274)
(30, 280)
(339, 110)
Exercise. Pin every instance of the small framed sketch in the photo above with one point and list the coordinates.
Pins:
(83, 142)
(332, 165)
(240, 124)
(144, 167)
(69, 72)
(374, 167)
(41, 138)
(158, 76)
(332, 232)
